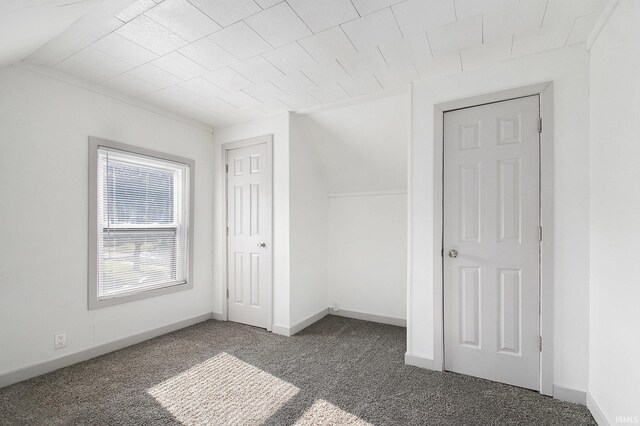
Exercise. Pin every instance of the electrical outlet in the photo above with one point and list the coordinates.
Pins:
(335, 307)
(59, 341)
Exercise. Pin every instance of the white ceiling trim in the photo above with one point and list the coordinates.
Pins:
(356, 100)
(601, 22)
(110, 93)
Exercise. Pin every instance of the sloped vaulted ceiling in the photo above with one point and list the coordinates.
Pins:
(223, 61)
(26, 25)
(363, 147)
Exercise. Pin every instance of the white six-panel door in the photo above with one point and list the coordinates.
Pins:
(249, 241)
(491, 241)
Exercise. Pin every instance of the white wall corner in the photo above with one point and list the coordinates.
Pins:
(281, 330)
(218, 316)
(418, 361)
(570, 395)
(596, 412)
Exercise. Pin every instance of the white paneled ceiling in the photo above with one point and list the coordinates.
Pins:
(221, 61)
(25, 25)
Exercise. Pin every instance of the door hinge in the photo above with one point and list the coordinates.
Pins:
(227, 293)
(539, 343)
(227, 230)
(226, 168)
(540, 233)
(539, 125)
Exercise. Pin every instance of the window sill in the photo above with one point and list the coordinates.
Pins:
(145, 294)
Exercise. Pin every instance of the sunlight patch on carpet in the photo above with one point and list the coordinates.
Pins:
(324, 413)
(223, 390)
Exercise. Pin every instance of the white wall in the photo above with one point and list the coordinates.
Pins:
(614, 374)
(44, 127)
(368, 254)
(308, 216)
(363, 149)
(277, 126)
(568, 69)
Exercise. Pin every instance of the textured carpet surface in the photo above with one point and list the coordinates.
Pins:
(337, 372)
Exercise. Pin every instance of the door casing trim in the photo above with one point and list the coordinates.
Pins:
(268, 139)
(545, 92)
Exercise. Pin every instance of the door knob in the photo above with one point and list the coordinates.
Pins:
(262, 244)
(453, 253)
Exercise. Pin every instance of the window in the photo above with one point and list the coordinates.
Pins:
(140, 223)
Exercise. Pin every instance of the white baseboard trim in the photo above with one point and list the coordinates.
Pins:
(297, 328)
(308, 321)
(368, 317)
(48, 366)
(367, 194)
(418, 361)
(218, 316)
(596, 412)
(570, 395)
(281, 330)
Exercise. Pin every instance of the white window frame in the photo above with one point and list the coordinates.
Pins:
(94, 302)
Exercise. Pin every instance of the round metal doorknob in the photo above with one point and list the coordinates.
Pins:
(453, 253)
(262, 244)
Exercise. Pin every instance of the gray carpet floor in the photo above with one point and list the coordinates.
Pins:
(337, 372)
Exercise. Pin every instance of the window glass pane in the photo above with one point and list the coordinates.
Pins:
(135, 260)
(139, 195)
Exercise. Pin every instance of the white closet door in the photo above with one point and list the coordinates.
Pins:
(491, 241)
(249, 242)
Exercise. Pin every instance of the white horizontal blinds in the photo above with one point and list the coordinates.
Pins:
(142, 223)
